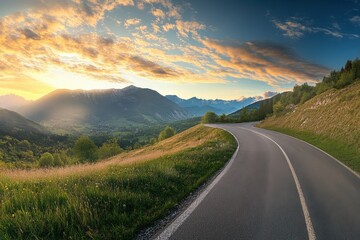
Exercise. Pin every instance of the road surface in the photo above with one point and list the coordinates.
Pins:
(275, 187)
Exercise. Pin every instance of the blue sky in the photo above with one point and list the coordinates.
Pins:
(210, 49)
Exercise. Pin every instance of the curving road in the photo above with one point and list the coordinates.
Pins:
(274, 187)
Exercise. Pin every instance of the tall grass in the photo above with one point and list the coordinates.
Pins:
(114, 203)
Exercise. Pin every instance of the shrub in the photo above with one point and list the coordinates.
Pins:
(57, 160)
(85, 149)
(209, 117)
(46, 160)
(166, 133)
(278, 108)
(153, 141)
(109, 149)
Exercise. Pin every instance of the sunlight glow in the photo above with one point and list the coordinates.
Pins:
(61, 79)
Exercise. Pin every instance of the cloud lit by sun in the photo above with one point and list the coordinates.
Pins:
(97, 43)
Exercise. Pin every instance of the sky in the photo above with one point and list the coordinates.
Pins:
(226, 49)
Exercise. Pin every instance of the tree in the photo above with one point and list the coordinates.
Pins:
(109, 148)
(153, 141)
(57, 160)
(278, 108)
(166, 133)
(209, 117)
(348, 65)
(2, 156)
(244, 117)
(85, 149)
(346, 78)
(46, 160)
(222, 118)
(27, 156)
(137, 145)
(24, 145)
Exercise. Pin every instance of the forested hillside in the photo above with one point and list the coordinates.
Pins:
(287, 101)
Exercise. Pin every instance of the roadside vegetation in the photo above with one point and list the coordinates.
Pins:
(286, 102)
(326, 115)
(19, 151)
(111, 199)
(330, 121)
(338, 148)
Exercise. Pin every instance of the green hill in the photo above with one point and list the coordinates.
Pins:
(15, 125)
(330, 120)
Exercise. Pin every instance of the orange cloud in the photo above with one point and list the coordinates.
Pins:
(168, 26)
(267, 62)
(189, 27)
(42, 40)
(157, 12)
(131, 22)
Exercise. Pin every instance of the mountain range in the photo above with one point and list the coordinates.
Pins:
(78, 110)
(107, 110)
(198, 107)
(12, 101)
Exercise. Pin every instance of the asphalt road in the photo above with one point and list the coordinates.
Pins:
(275, 187)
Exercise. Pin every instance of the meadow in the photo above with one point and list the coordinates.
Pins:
(112, 199)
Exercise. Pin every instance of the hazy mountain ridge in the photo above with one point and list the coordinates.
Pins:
(15, 125)
(12, 101)
(108, 109)
(199, 107)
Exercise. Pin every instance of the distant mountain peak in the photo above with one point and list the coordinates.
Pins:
(12, 101)
(199, 107)
(103, 109)
(131, 87)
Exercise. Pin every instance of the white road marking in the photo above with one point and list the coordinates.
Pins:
(309, 226)
(171, 229)
(337, 160)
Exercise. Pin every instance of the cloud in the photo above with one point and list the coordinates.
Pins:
(24, 86)
(168, 26)
(297, 27)
(28, 33)
(269, 94)
(140, 64)
(336, 26)
(63, 37)
(172, 11)
(185, 28)
(264, 61)
(156, 28)
(355, 20)
(157, 12)
(71, 37)
(291, 29)
(131, 22)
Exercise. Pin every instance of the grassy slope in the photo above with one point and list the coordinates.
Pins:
(330, 121)
(113, 200)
